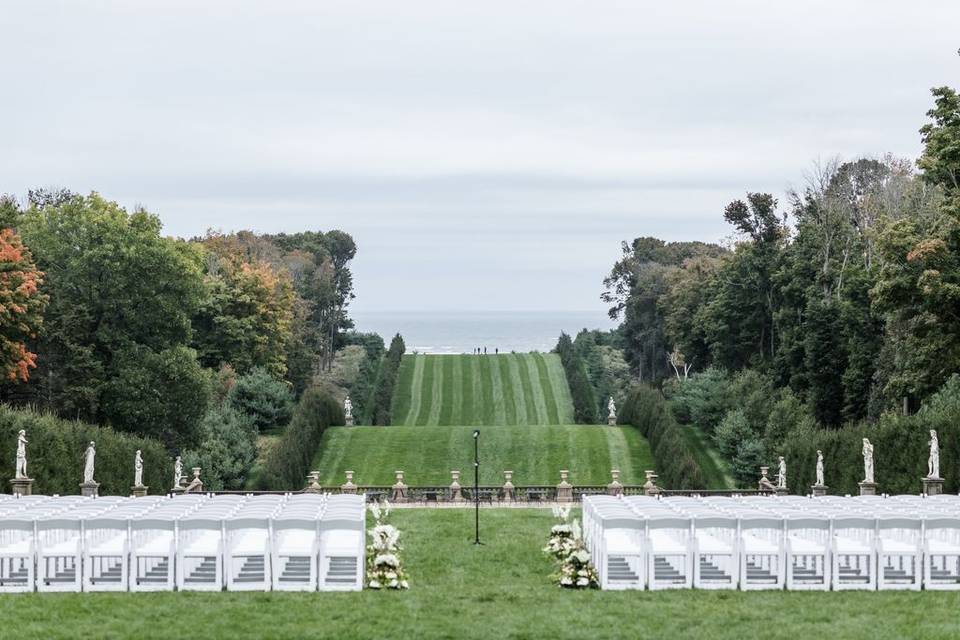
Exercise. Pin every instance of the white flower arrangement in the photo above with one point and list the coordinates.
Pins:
(384, 567)
(565, 546)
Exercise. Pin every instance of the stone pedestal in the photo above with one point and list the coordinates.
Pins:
(782, 491)
(138, 491)
(349, 421)
(196, 485)
(611, 421)
(615, 488)
(764, 484)
(313, 483)
(22, 486)
(399, 489)
(508, 489)
(818, 490)
(90, 489)
(564, 489)
(348, 486)
(867, 488)
(456, 495)
(650, 487)
(933, 486)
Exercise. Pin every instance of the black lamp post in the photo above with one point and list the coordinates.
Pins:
(476, 483)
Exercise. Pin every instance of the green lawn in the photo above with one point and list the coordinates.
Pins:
(498, 590)
(716, 472)
(535, 454)
(505, 389)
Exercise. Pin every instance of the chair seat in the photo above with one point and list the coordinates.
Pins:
(804, 546)
(664, 543)
(898, 547)
(296, 541)
(620, 543)
(207, 543)
(108, 546)
(753, 545)
(18, 548)
(942, 547)
(713, 545)
(250, 543)
(852, 546)
(67, 547)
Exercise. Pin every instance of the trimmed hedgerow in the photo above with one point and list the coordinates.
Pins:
(55, 454)
(288, 462)
(646, 409)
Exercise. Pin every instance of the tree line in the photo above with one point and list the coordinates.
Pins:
(832, 309)
(200, 343)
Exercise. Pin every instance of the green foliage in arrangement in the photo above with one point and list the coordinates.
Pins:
(675, 460)
(583, 394)
(288, 461)
(380, 407)
(55, 454)
(226, 450)
(535, 454)
(502, 389)
(265, 399)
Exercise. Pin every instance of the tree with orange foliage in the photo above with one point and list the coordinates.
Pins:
(21, 307)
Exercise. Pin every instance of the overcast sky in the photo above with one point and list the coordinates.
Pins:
(484, 155)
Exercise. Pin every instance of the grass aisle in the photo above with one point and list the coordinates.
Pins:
(499, 590)
(549, 399)
(436, 392)
(521, 387)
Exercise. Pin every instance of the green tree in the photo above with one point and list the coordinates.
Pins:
(115, 286)
(227, 449)
(265, 399)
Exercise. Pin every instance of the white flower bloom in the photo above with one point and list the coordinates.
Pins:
(404, 584)
(566, 581)
(374, 584)
(582, 556)
(582, 582)
(386, 559)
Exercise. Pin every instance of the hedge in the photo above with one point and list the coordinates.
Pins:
(646, 409)
(900, 449)
(381, 403)
(55, 454)
(582, 393)
(288, 462)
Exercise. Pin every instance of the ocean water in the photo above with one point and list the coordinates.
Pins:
(462, 331)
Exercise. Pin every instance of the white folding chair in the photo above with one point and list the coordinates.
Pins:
(761, 551)
(854, 552)
(807, 552)
(899, 552)
(941, 553)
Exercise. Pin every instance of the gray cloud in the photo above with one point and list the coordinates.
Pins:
(484, 155)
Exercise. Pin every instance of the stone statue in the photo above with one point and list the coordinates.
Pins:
(348, 408)
(782, 473)
(88, 463)
(21, 471)
(867, 462)
(177, 473)
(820, 481)
(612, 409)
(138, 470)
(933, 462)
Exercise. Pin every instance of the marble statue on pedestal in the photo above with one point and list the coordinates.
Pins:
(782, 473)
(867, 462)
(88, 463)
(138, 469)
(177, 473)
(933, 462)
(612, 412)
(820, 481)
(348, 411)
(21, 471)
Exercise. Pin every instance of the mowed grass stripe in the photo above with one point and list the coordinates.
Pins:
(424, 391)
(500, 392)
(533, 376)
(560, 387)
(459, 391)
(548, 397)
(510, 390)
(536, 454)
(521, 386)
(413, 390)
(436, 394)
(402, 395)
(485, 413)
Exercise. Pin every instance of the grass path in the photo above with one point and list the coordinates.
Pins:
(505, 389)
(716, 472)
(499, 590)
(535, 454)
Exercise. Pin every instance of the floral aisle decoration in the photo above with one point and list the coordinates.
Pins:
(384, 566)
(566, 547)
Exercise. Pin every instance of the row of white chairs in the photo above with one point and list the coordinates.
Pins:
(289, 542)
(770, 542)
